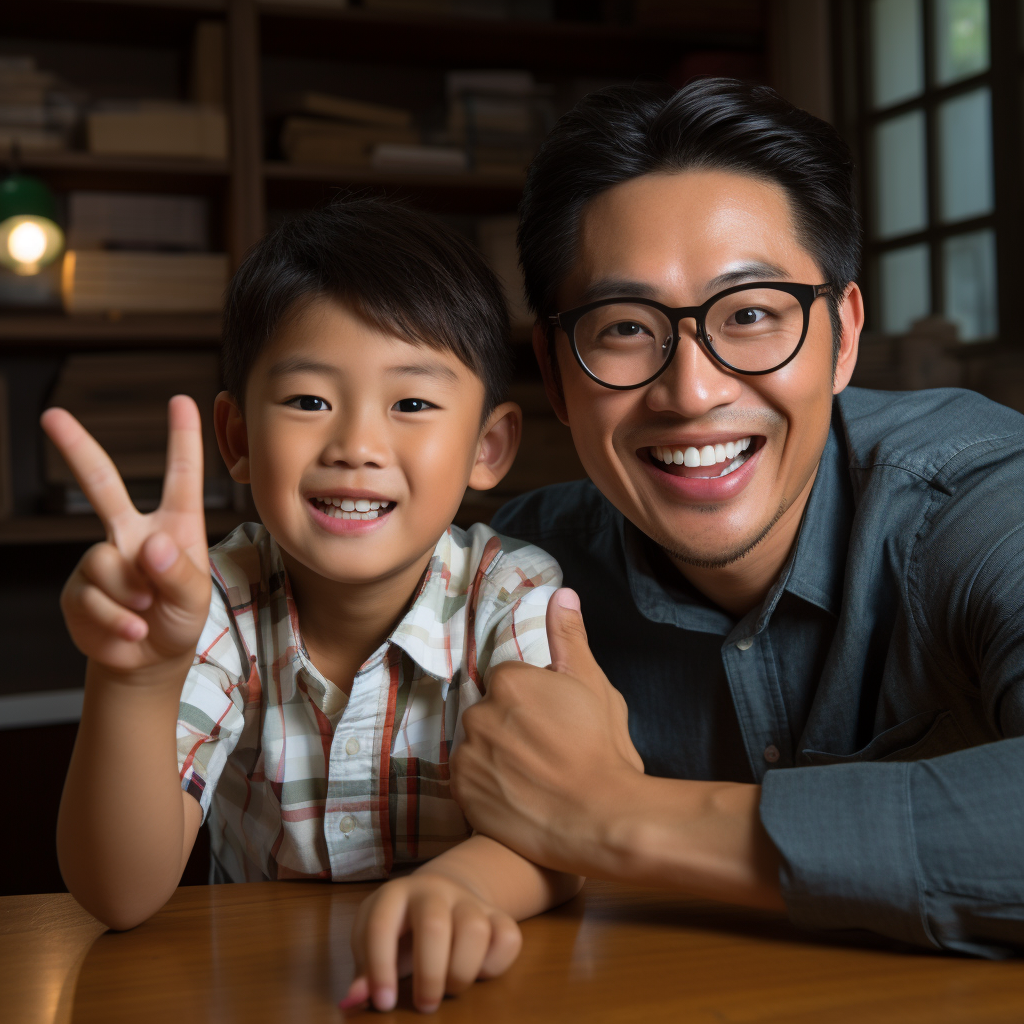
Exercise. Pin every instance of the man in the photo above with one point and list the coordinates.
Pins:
(808, 597)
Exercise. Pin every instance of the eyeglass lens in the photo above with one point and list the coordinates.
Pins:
(626, 343)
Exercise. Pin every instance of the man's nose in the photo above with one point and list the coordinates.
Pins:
(694, 382)
(359, 439)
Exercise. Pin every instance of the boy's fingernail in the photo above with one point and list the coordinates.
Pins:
(568, 599)
(349, 1002)
(161, 551)
(385, 999)
(141, 600)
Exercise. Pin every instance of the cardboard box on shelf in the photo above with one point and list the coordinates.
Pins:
(159, 129)
(143, 282)
(317, 140)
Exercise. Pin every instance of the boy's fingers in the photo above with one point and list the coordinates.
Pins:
(92, 466)
(379, 940)
(358, 993)
(172, 573)
(183, 482)
(105, 567)
(90, 602)
(506, 942)
(471, 940)
(431, 921)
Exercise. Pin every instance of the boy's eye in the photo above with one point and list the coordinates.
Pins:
(309, 403)
(413, 405)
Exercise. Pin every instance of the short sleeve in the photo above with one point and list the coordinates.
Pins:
(211, 711)
(521, 585)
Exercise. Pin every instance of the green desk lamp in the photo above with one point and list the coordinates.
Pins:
(29, 236)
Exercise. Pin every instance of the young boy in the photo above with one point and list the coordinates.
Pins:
(318, 684)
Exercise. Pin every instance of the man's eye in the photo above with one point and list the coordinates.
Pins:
(309, 403)
(413, 405)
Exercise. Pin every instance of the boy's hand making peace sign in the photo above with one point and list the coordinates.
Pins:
(140, 598)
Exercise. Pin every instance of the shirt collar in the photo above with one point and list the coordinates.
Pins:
(814, 571)
(432, 630)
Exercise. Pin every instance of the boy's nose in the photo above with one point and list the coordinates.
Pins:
(359, 441)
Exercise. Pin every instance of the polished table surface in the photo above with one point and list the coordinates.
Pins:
(278, 951)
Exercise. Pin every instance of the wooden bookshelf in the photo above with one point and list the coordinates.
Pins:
(57, 331)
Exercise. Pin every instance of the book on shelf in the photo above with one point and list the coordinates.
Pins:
(36, 112)
(143, 282)
(342, 108)
(136, 220)
(318, 140)
(419, 159)
(121, 399)
(206, 75)
(152, 128)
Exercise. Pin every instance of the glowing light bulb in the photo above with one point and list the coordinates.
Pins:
(27, 242)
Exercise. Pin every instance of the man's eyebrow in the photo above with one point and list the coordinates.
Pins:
(436, 370)
(612, 287)
(755, 270)
(298, 364)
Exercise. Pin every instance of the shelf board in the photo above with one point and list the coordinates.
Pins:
(357, 175)
(56, 330)
(85, 529)
(78, 160)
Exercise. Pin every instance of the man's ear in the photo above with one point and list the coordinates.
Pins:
(547, 361)
(232, 437)
(496, 451)
(851, 316)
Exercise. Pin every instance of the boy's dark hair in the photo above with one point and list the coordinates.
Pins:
(623, 132)
(403, 271)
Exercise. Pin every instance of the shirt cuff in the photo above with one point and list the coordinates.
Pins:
(846, 838)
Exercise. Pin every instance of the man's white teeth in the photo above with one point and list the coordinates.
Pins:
(351, 508)
(709, 455)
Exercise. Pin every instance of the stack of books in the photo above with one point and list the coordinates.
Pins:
(332, 129)
(139, 253)
(499, 117)
(121, 399)
(35, 112)
(158, 129)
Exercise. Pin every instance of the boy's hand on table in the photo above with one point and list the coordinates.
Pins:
(434, 928)
(140, 598)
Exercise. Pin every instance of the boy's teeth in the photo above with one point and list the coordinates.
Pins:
(351, 508)
(708, 455)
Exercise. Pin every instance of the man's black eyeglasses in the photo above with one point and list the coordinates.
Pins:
(753, 329)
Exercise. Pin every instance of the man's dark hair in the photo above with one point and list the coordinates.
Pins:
(623, 132)
(401, 270)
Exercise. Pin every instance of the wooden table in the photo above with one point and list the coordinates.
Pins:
(278, 952)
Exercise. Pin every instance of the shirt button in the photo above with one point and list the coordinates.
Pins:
(352, 745)
(746, 643)
(347, 823)
(771, 753)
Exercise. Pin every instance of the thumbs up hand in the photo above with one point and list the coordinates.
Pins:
(547, 755)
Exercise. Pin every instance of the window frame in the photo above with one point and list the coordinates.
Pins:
(857, 119)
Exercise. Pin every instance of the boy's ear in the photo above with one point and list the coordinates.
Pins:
(547, 361)
(496, 451)
(232, 437)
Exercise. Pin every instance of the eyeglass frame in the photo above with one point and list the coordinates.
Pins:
(805, 294)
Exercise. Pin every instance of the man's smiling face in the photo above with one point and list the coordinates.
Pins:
(679, 238)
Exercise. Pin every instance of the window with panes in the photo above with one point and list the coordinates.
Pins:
(931, 83)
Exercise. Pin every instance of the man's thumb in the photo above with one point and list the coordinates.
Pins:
(567, 636)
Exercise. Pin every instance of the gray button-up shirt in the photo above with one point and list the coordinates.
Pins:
(877, 694)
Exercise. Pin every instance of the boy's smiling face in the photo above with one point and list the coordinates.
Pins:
(359, 445)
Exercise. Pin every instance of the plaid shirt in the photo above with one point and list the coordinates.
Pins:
(300, 781)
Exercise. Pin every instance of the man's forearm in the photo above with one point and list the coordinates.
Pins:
(125, 827)
(703, 838)
(501, 876)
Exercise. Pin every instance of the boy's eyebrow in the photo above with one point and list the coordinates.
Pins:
(298, 364)
(431, 369)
